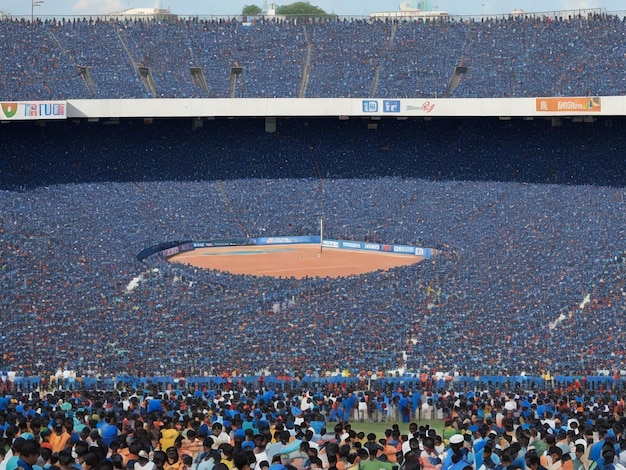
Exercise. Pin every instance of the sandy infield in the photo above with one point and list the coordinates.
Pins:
(295, 260)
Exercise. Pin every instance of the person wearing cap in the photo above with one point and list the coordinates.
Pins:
(143, 461)
(574, 425)
(457, 455)
(459, 460)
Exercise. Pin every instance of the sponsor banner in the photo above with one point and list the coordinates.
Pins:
(284, 240)
(223, 242)
(352, 245)
(372, 246)
(423, 106)
(404, 249)
(567, 105)
(330, 243)
(203, 244)
(176, 250)
(29, 110)
(369, 106)
(396, 106)
(391, 106)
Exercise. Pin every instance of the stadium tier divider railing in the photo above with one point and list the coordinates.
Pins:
(168, 249)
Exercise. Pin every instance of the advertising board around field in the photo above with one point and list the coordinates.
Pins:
(379, 247)
(32, 110)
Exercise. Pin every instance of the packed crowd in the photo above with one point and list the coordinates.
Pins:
(262, 429)
(93, 58)
(530, 220)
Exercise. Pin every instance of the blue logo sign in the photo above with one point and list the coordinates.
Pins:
(391, 106)
(370, 106)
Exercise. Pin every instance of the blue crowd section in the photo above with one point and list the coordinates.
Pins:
(523, 57)
(441, 149)
(530, 220)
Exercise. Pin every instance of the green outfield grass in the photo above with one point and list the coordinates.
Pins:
(379, 428)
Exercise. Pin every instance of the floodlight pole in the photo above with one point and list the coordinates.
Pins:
(33, 4)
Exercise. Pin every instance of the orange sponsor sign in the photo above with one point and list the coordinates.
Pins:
(565, 105)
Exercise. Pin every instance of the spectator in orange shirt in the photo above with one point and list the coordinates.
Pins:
(59, 437)
(389, 450)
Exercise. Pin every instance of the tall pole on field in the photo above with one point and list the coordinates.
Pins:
(321, 233)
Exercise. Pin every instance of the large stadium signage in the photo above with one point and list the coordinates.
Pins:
(33, 110)
(566, 105)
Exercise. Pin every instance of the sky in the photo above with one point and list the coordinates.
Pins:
(62, 8)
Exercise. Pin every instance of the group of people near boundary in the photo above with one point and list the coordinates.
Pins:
(245, 430)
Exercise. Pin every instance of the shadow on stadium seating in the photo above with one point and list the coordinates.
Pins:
(471, 149)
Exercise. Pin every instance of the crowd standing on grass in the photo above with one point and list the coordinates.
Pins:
(244, 429)
(534, 55)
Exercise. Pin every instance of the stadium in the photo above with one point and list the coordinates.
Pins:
(499, 147)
